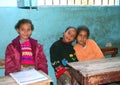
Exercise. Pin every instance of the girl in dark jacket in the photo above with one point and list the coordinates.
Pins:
(24, 52)
(62, 52)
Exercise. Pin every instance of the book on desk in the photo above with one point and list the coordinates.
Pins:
(28, 76)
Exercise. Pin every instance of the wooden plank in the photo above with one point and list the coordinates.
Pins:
(2, 63)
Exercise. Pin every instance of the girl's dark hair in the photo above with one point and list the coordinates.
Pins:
(83, 28)
(23, 21)
(70, 28)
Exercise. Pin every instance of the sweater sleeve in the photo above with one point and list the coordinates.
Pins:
(55, 61)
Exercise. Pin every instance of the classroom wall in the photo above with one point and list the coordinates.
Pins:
(50, 22)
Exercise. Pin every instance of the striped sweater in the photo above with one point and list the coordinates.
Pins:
(27, 56)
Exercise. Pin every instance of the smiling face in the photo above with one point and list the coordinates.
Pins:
(24, 31)
(82, 37)
(69, 35)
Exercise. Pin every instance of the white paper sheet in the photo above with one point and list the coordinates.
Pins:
(28, 76)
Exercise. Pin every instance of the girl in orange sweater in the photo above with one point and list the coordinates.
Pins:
(86, 49)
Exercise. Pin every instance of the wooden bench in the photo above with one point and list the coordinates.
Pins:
(106, 51)
(110, 51)
(2, 63)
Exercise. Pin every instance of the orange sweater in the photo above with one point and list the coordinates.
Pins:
(90, 52)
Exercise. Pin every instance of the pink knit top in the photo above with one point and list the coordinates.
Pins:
(27, 55)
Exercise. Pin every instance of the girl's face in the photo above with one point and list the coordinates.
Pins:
(69, 35)
(24, 31)
(82, 37)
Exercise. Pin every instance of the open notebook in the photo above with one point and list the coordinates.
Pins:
(28, 76)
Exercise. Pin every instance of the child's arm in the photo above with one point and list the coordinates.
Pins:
(40, 60)
(10, 60)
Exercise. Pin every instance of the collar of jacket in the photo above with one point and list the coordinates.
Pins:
(16, 44)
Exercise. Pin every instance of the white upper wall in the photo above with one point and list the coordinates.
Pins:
(8, 3)
(13, 3)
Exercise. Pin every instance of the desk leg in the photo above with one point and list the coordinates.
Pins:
(76, 75)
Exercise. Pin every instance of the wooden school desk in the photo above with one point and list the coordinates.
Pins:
(8, 80)
(97, 71)
(109, 51)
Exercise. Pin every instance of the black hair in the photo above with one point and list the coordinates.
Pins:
(83, 28)
(23, 21)
(70, 28)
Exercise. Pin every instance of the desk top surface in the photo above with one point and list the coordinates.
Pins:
(88, 68)
(8, 80)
